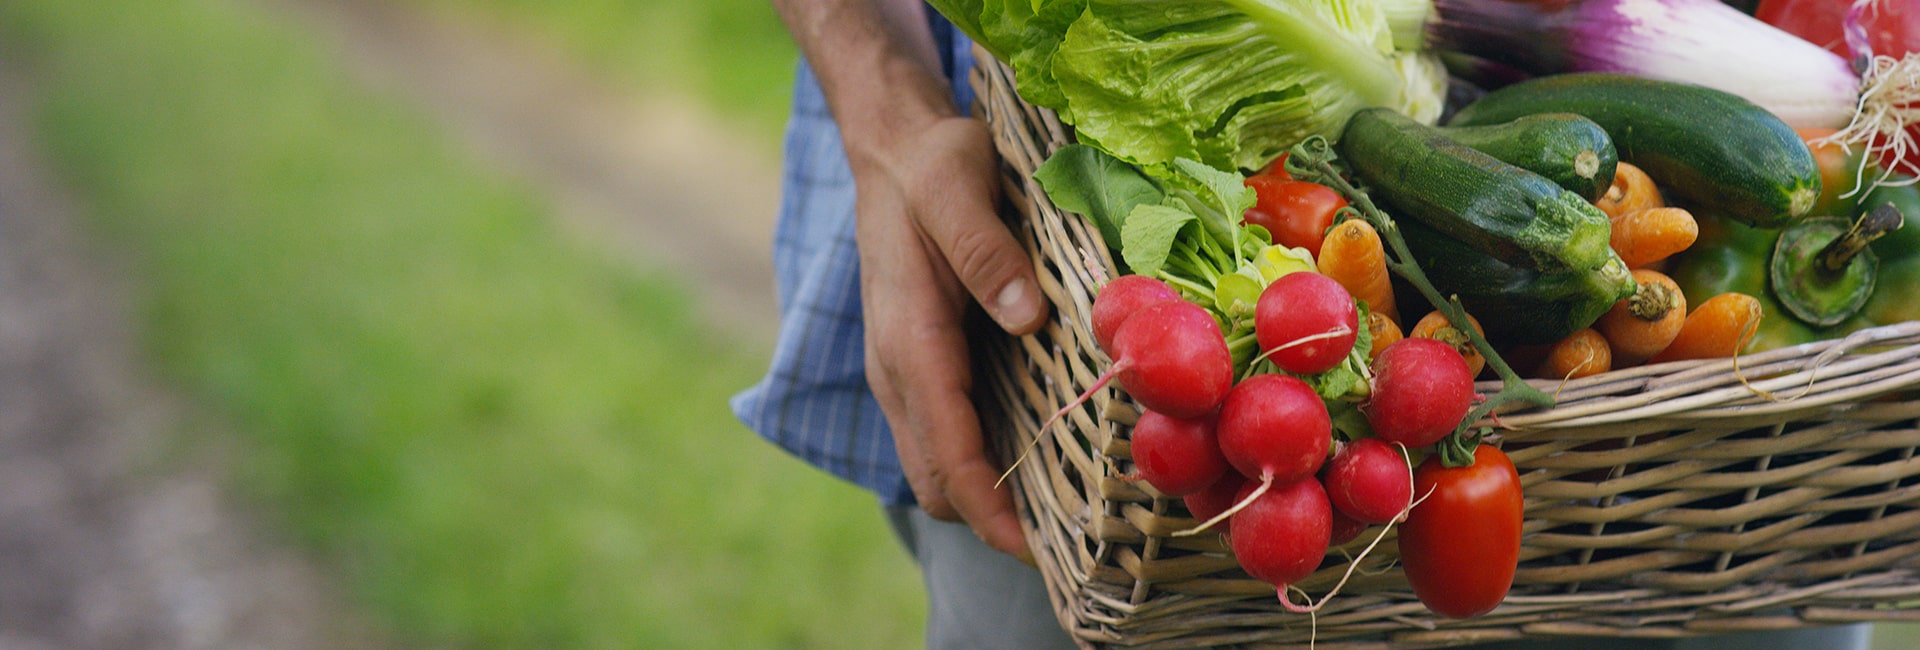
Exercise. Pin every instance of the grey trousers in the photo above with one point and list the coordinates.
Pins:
(977, 598)
(982, 599)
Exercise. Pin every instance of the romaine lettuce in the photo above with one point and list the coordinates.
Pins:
(1232, 83)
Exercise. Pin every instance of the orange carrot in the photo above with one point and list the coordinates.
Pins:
(1719, 328)
(1632, 191)
(1435, 325)
(1644, 324)
(1352, 255)
(1581, 354)
(1647, 236)
(1384, 332)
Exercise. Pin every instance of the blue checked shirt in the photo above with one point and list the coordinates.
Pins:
(814, 401)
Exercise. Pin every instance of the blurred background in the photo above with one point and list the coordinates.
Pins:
(406, 323)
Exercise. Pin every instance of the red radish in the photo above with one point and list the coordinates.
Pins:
(1123, 297)
(1345, 528)
(1178, 456)
(1306, 323)
(1274, 428)
(1421, 390)
(1369, 480)
(1281, 536)
(1217, 498)
(1172, 358)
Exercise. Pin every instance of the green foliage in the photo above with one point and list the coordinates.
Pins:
(498, 439)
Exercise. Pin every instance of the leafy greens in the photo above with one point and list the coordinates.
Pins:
(1229, 83)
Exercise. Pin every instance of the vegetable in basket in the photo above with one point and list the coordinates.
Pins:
(1823, 271)
(1701, 42)
(1230, 83)
(1461, 547)
(1733, 257)
(1878, 36)
(1710, 147)
(1508, 213)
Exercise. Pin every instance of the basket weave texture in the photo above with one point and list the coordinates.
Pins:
(1774, 491)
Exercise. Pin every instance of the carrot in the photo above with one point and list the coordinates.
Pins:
(1384, 331)
(1647, 236)
(1644, 324)
(1581, 354)
(1719, 328)
(1435, 325)
(1352, 255)
(1632, 191)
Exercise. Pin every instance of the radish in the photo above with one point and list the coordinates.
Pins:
(1179, 456)
(1171, 358)
(1345, 528)
(1123, 297)
(1274, 428)
(1306, 323)
(1217, 498)
(1421, 390)
(1281, 536)
(1369, 480)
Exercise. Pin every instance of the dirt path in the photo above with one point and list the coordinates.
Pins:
(115, 529)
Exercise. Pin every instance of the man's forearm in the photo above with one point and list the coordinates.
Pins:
(876, 63)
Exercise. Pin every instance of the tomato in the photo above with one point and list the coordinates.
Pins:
(1298, 213)
(1890, 32)
(1277, 168)
(1461, 546)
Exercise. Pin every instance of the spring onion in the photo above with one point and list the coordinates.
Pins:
(1703, 42)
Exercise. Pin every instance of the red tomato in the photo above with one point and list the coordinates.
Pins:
(1461, 546)
(1277, 168)
(1890, 31)
(1298, 213)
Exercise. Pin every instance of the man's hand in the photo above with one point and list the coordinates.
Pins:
(931, 243)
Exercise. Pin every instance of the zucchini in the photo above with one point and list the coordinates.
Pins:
(1570, 150)
(1496, 208)
(1514, 304)
(1706, 146)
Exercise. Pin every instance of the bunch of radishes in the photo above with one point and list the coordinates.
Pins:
(1260, 451)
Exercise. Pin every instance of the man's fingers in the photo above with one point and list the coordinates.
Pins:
(943, 414)
(916, 459)
(961, 218)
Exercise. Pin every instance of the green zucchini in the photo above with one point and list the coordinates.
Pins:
(1706, 146)
(1496, 208)
(1514, 304)
(1570, 150)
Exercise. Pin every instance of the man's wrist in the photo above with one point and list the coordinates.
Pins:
(877, 64)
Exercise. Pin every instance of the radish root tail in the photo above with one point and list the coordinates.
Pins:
(1105, 378)
(1266, 482)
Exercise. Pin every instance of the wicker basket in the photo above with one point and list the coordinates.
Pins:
(1679, 499)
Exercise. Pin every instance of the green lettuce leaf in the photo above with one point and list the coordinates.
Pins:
(1079, 178)
(1230, 83)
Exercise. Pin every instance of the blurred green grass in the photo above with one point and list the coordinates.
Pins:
(733, 54)
(498, 437)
